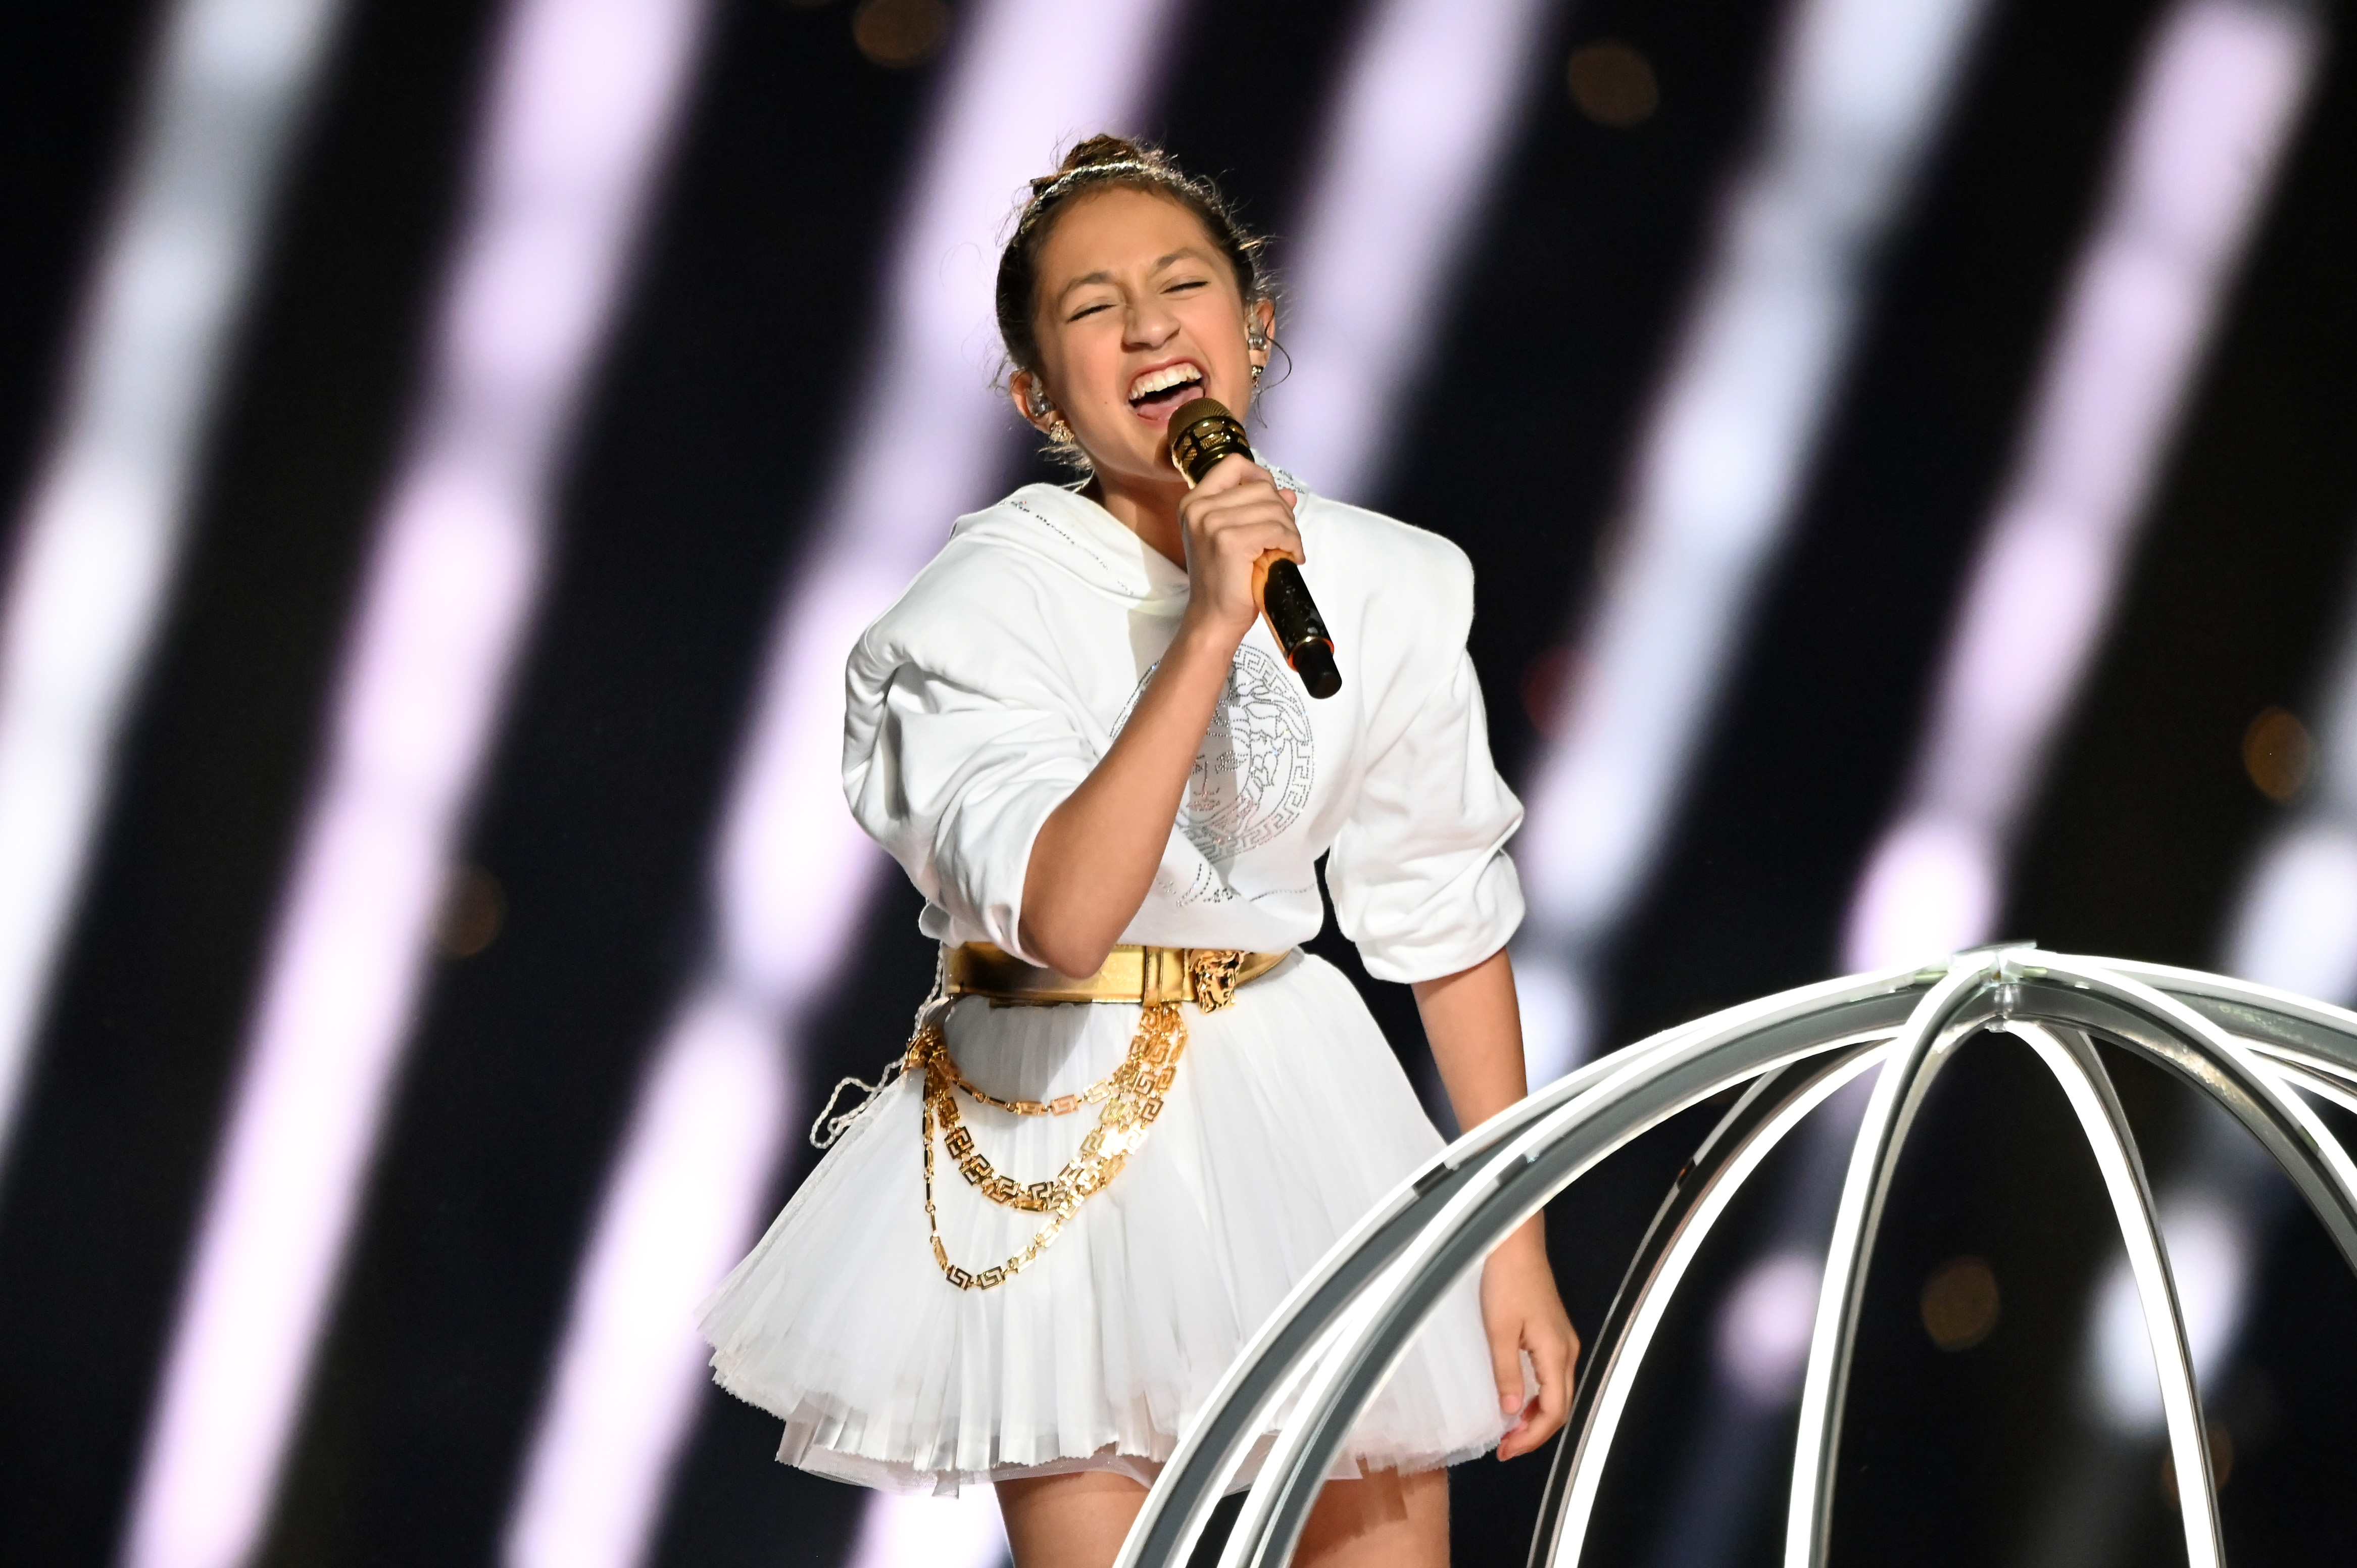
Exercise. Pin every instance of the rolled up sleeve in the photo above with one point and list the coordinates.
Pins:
(956, 787)
(1419, 873)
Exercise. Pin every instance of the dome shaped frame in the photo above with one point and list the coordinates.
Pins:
(1321, 1356)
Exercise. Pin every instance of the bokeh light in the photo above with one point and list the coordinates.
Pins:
(1960, 1304)
(1613, 84)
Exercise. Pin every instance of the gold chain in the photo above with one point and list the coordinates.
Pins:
(1132, 1096)
(1096, 1093)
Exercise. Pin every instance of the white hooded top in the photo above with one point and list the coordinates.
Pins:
(986, 694)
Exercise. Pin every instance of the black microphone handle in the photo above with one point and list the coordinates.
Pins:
(1299, 630)
(1202, 432)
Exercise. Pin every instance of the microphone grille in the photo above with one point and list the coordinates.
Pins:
(1202, 433)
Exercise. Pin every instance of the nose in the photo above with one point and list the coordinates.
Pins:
(1148, 324)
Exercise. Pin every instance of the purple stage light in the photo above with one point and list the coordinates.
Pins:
(792, 875)
(100, 538)
(1860, 90)
(2219, 96)
(1428, 100)
(582, 99)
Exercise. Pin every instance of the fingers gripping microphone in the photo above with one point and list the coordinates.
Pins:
(1202, 433)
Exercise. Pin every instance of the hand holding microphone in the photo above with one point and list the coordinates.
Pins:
(1202, 433)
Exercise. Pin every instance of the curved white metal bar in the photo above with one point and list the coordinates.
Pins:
(2308, 1043)
(1759, 1036)
(2283, 1057)
(2066, 989)
(2276, 1024)
(1743, 1139)
(2071, 1058)
(2335, 1029)
(1915, 1059)
(2314, 1083)
(1514, 1182)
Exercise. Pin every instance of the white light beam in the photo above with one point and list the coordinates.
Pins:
(1861, 87)
(582, 97)
(1429, 97)
(793, 874)
(102, 529)
(2218, 96)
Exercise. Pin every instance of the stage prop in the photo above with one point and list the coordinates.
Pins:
(2254, 1050)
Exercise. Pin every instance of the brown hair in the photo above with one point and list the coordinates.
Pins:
(1098, 164)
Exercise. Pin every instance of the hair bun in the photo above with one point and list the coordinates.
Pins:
(1096, 151)
(1105, 149)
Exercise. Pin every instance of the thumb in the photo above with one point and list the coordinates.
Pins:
(1506, 1365)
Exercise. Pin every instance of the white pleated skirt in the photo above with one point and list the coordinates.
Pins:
(1288, 1120)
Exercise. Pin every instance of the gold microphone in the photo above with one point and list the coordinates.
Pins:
(1202, 433)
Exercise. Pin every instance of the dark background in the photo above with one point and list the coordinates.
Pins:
(695, 473)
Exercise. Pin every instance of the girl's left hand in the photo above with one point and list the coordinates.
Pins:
(1523, 1312)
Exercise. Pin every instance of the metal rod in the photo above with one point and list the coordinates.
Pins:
(2076, 1067)
(1745, 1137)
(2088, 994)
(2316, 1084)
(2270, 1018)
(1940, 1023)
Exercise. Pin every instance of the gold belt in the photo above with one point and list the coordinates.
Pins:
(1206, 976)
(1158, 980)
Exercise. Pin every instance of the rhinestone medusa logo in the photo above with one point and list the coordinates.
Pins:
(1252, 777)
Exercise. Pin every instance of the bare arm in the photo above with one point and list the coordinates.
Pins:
(1476, 1029)
(1095, 856)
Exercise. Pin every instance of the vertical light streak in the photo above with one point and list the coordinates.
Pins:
(792, 873)
(101, 527)
(2218, 96)
(710, 1123)
(581, 99)
(1427, 100)
(963, 1532)
(1861, 88)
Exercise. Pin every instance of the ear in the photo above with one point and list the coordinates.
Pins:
(1262, 314)
(1022, 387)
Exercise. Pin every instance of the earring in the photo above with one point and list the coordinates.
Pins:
(1058, 431)
(1256, 370)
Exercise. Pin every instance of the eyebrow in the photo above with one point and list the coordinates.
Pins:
(1082, 281)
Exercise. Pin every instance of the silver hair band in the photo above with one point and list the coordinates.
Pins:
(1055, 186)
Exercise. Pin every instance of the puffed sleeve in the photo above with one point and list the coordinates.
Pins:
(956, 783)
(1419, 873)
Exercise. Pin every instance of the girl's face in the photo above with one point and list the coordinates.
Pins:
(1138, 312)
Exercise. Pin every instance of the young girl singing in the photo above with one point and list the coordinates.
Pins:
(1135, 1112)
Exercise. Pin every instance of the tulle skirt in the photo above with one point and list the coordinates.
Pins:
(1288, 1120)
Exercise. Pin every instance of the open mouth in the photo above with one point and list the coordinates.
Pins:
(1158, 391)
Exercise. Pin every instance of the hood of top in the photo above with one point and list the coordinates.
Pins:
(1078, 535)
